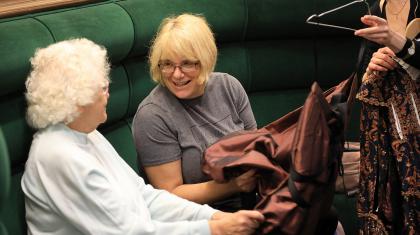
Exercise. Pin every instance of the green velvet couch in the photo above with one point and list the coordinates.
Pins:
(266, 44)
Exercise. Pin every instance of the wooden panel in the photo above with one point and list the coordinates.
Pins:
(10, 8)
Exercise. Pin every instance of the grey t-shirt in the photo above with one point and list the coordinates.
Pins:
(168, 129)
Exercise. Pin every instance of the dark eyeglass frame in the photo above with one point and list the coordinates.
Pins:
(171, 67)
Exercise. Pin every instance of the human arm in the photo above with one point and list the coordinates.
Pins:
(84, 196)
(168, 176)
(241, 222)
(380, 32)
(160, 153)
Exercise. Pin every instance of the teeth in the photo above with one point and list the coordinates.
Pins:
(181, 83)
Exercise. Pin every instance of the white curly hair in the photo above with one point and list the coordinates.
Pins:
(64, 76)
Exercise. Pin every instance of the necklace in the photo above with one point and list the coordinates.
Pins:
(395, 14)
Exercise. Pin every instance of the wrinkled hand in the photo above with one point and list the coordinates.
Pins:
(243, 222)
(245, 182)
(380, 32)
(381, 62)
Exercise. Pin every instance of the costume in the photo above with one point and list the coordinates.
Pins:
(167, 129)
(76, 183)
(389, 199)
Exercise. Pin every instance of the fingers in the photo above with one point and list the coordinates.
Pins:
(247, 181)
(243, 222)
(374, 32)
(250, 219)
(382, 60)
(387, 51)
(253, 214)
(385, 59)
(372, 20)
(248, 174)
(371, 30)
(378, 30)
(246, 178)
(380, 64)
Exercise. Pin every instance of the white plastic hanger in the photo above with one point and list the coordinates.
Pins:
(315, 16)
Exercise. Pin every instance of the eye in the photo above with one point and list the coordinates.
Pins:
(105, 88)
(188, 64)
(166, 63)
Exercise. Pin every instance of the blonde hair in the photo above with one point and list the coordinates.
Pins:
(186, 36)
(64, 76)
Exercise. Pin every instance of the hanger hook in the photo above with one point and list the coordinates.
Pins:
(310, 18)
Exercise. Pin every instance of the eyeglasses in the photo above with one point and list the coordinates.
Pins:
(168, 67)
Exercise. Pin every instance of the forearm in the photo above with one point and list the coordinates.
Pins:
(158, 202)
(207, 192)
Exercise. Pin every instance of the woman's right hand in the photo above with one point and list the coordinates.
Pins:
(243, 222)
(381, 62)
(380, 32)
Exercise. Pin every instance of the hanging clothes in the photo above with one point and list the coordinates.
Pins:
(389, 198)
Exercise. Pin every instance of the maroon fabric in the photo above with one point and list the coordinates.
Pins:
(296, 158)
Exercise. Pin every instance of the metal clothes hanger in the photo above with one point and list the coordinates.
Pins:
(316, 16)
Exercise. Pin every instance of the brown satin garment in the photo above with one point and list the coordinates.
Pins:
(307, 141)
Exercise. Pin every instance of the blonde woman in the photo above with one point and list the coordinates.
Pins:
(190, 108)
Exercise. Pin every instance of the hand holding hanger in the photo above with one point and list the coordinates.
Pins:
(380, 32)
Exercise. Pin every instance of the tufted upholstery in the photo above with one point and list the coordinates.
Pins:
(4, 178)
(266, 44)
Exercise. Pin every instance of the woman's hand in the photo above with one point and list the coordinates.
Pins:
(380, 32)
(381, 62)
(245, 182)
(243, 222)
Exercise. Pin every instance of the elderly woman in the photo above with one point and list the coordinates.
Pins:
(191, 108)
(74, 181)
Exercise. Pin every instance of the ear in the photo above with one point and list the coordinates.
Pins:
(81, 109)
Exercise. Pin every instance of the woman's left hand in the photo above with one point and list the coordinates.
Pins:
(245, 182)
(382, 61)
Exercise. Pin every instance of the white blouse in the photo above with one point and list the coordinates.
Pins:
(76, 183)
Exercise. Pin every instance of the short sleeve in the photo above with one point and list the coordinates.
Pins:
(154, 136)
(242, 104)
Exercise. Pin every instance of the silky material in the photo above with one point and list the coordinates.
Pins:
(296, 163)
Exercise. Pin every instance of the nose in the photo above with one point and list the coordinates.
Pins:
(177, 72)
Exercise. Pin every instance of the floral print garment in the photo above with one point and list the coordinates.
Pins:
(389, 199)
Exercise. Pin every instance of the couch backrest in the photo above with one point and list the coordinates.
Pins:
(266, 44)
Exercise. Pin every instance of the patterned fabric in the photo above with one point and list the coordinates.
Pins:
(390, 155)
